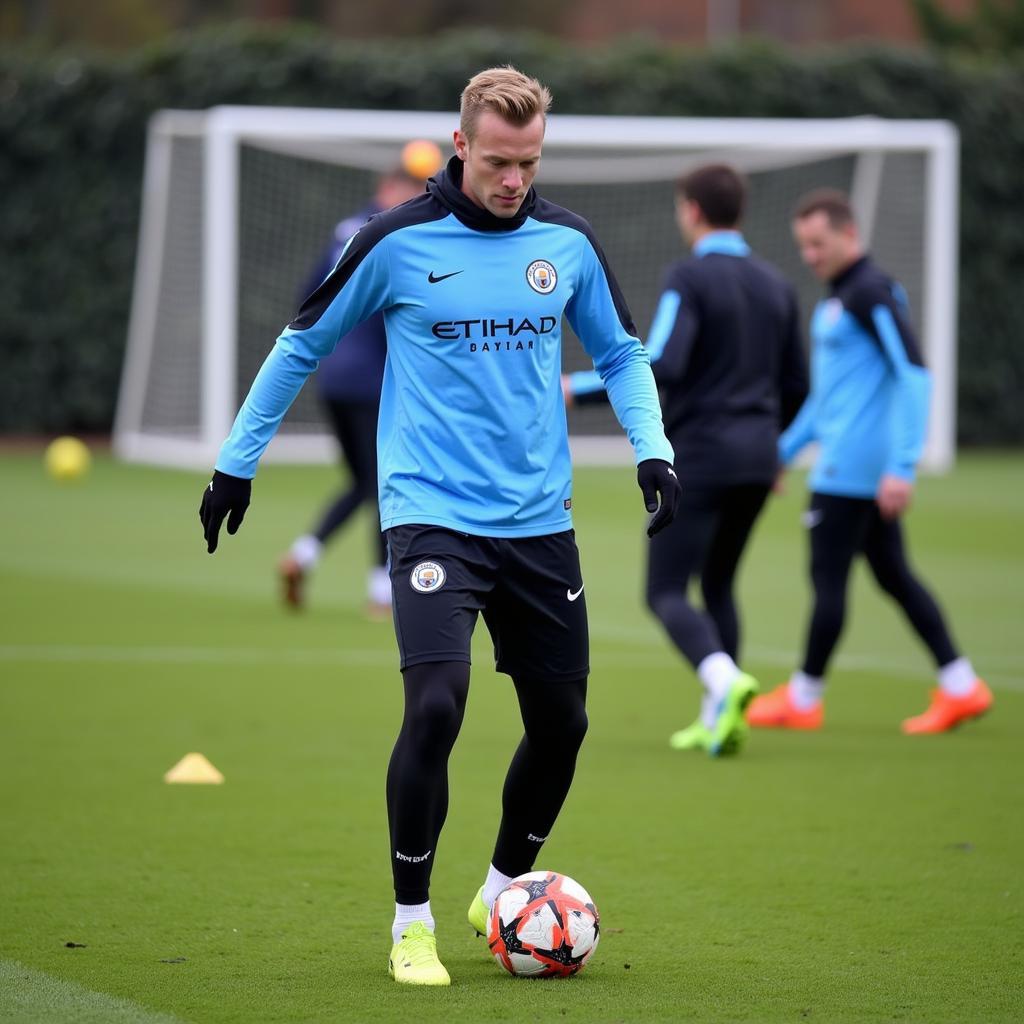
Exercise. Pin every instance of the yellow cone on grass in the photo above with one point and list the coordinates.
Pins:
(196, 769)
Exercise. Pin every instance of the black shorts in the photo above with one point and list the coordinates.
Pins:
(529, 589)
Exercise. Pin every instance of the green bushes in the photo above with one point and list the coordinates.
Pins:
(72, 131)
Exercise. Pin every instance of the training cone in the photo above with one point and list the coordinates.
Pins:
(194, 769)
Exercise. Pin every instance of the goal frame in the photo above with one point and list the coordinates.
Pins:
(225, 129)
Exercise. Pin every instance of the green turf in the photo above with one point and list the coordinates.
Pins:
(851, 875)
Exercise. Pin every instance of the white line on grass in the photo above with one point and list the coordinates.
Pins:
(195, 655)
(1007, 677)
(28, 995)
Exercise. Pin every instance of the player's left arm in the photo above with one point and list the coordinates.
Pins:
(598, 314)
(882, 311)
(669, 342)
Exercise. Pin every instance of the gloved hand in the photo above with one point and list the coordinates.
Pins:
(224, 496)
(657, 477)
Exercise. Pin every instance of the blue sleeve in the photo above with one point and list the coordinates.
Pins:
(880, 307)
(800, 433)
(912, 398)
(357, 288)
(672, 331)
(600, 322)
(588, 382)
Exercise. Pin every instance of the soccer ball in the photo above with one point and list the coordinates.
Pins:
(543, 925)
(67, 458)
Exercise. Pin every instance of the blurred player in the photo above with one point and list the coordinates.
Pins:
(348, 382)
(868, 408)
(726, 351)
(473, 277)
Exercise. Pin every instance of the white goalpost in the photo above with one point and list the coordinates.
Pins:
(239, 201)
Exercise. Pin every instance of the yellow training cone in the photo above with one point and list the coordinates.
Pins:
(194, 768)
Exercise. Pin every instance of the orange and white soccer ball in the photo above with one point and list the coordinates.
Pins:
(543, 925)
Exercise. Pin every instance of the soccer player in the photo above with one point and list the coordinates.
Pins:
(726, 350)
(348, 382)
(868, 408)
(473, 278)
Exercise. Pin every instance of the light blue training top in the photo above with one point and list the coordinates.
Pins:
(868, 405)
(472, 433)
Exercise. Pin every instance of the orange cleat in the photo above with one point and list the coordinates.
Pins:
(292, 579)
(776, 710)
(946, 712)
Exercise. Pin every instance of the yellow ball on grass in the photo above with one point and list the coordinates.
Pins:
(67, 458)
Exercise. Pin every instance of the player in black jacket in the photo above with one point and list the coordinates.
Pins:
(726, 350)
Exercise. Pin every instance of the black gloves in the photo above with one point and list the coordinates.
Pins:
(224, 496)
(657, 477)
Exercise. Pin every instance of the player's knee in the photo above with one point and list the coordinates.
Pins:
(437, 699)
(575, 727)
(896, 581)
(562, 726)
(663, 600)
(438, 716)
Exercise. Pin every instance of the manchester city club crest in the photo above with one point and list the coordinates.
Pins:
(427, 577)
(541, 277)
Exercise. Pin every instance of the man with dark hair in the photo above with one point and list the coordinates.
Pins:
(726, 351)
(868, 409)
(473, 277)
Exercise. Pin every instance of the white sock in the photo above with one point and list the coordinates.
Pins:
(378, 585)
(708, 711)
(717, 672)
(306, 551)
(493, 884)
(806, 691)
(958, 677)
(406, 913)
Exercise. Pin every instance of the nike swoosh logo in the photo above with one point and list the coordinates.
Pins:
(443, 277)
(572, 597)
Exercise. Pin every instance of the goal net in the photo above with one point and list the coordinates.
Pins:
(239, 202)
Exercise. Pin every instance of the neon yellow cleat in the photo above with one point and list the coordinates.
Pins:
(479, 913)
(695, 736)
(730, 728)
(414, 960)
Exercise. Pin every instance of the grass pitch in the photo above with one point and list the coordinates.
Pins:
(851, 875)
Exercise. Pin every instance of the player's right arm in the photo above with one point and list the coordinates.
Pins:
(357, 288)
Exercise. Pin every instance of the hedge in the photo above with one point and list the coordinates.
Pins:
(72, 130)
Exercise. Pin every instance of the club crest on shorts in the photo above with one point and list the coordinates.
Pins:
(541, 277)
(427, 577)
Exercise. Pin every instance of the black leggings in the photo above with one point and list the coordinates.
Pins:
(355, 426)
(539, 777)
(707, 537)
(840, 528)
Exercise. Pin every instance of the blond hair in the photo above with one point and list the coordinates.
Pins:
(509, 93)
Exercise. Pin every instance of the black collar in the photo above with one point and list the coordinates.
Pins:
(446, 187)
(846, 273)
